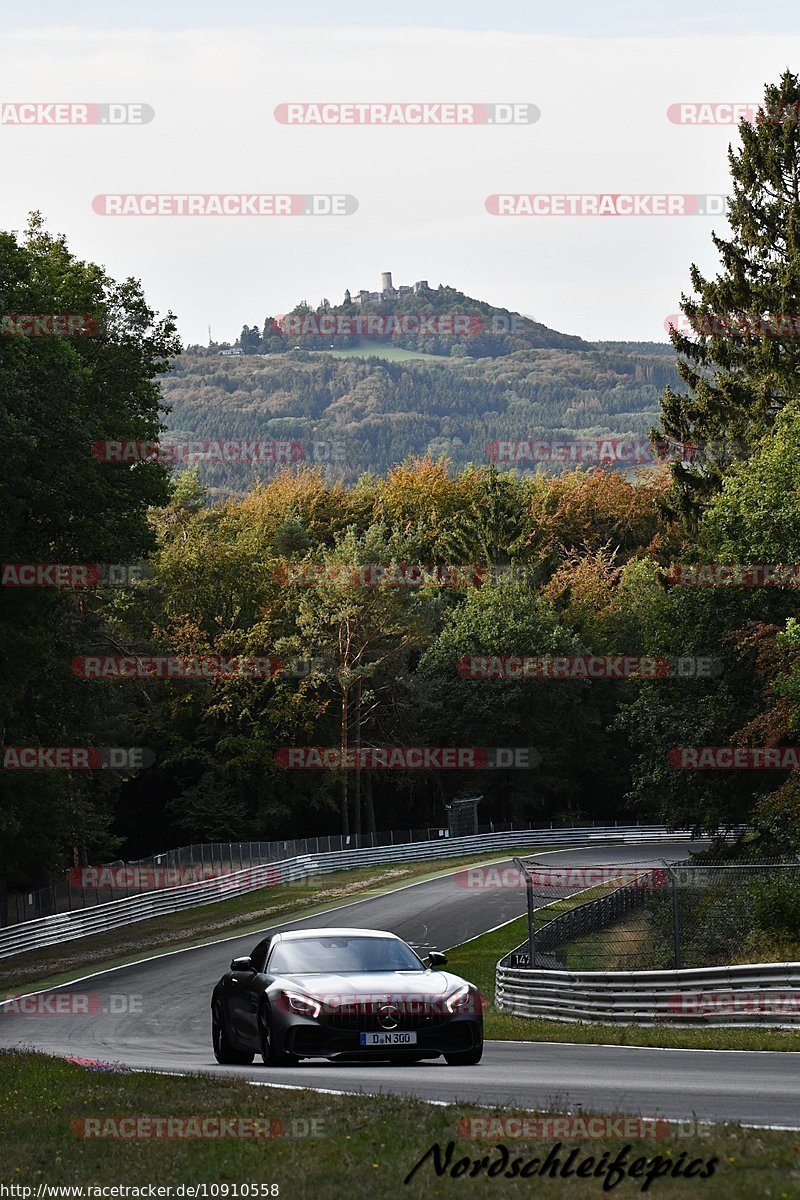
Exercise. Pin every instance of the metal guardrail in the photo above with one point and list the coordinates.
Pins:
(102, 918)
(200, 860)
(749, 995)
(83, 887)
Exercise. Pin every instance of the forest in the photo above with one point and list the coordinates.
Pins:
(385, 578)
(358, 416)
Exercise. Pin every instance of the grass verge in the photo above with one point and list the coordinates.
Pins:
(476, 960)
(368, 1147)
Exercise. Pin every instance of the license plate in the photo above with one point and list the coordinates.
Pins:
(388, 1039)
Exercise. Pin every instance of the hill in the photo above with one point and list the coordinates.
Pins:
(360, 386)
(356, 415)
(441, 321)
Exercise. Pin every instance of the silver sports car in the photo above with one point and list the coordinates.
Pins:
(343, 994)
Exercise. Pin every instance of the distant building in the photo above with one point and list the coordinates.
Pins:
(388, 291)
(229, 353)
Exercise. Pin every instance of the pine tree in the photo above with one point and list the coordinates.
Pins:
(741, 364)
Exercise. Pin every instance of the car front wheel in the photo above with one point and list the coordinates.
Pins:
(224, 1051)
(271, 1055)
(465, 1058)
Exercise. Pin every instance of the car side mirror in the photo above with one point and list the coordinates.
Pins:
(437, 959)
(242, 964)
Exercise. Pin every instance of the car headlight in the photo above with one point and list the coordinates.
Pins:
(460, 1001)
(304, 1006)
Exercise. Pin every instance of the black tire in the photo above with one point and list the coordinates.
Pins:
(224, 1050)
(270, 1054)
(465, 1058)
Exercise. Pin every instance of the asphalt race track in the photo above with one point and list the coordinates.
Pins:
(156, 1014)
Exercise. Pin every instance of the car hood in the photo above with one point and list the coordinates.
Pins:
(375, 984)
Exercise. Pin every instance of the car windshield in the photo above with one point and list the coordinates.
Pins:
(321, 955)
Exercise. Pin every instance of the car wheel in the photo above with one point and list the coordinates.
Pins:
(465, 1058)
(271, 1055)
(224, 1051)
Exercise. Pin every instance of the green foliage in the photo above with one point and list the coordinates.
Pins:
(739, 377)
(58, 395)
(380, 412)
(753, 920)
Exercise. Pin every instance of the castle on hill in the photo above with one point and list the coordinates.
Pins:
(387, 292)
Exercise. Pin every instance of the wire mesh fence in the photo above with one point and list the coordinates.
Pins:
(663, 916)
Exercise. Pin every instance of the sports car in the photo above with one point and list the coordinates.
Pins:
(343, 994)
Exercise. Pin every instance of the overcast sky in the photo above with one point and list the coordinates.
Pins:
(602, 76)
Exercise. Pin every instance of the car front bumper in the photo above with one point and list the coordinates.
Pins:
(309, 1038)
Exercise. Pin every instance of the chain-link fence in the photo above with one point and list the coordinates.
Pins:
(659, 917)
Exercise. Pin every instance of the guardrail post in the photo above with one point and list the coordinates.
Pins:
(676, 919)
(531, 913)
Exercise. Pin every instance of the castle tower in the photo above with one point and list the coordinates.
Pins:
(386, 281)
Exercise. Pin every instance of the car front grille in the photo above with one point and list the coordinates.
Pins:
(370, 1022)
(366, 1017)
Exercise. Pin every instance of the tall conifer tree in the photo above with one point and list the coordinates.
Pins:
(742, 362)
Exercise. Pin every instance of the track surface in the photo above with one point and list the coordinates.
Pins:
(155, 1015)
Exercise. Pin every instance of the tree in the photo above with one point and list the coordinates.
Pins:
(738, 365)
(250, 339)
(58, 396)
(367, 634)
(559, 718)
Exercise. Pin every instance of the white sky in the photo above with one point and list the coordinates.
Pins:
(421, 191)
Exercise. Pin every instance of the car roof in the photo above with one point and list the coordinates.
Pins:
(297, 934)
